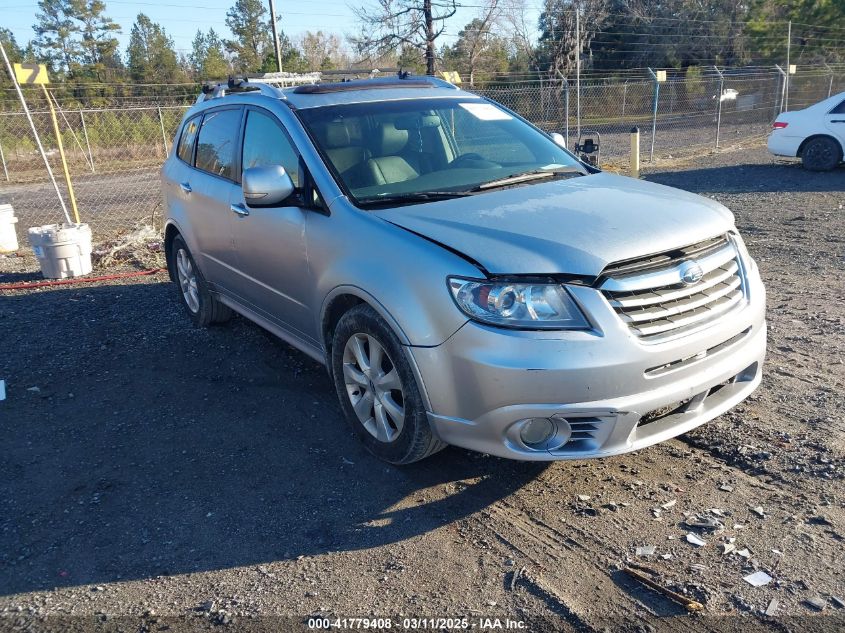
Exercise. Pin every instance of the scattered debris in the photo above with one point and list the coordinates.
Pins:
(818, 603)
(758, 579)
(837, 602)
(698, 567)
(704, 523)
(772, 609)
(695, 540)
(726, 488)
(744, 553)
(34, 389)
(666, 556)
(727, 548)
(759, 512)
(584, 497)
(669, 504)
(646, 550)
(347, 462)
(689, 605)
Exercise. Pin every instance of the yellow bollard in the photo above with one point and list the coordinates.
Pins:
(62, 154)
(635, 152)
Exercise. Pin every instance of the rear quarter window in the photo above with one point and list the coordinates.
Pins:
(840, 109)
(186, 140)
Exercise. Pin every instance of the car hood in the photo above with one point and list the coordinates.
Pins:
(575, 226)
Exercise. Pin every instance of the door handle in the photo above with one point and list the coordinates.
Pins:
(239, 209)
(838, 121)
(185, 187)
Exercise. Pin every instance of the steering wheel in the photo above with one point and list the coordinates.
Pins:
(473, 160)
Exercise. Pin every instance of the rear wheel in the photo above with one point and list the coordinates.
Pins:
(377, 389)
(821, 154)
(202, 306)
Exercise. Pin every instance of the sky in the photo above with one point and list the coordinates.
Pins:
(182, 18)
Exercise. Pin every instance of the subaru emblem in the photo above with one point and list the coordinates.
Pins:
(691, 273)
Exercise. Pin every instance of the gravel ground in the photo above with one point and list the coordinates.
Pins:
(155, 475)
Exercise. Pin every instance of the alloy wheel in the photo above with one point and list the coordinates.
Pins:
(374, 387)
(187, 280)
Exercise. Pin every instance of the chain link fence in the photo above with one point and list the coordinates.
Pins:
(114, 152)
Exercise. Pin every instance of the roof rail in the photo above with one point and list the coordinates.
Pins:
(213, 90)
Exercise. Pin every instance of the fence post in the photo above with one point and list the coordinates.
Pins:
(719, 104)
(3, 159)
(87, 144)
(163, 135)
(783, 79)
(624, 98)
(654, 113)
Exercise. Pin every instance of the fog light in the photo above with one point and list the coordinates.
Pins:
(536, 432)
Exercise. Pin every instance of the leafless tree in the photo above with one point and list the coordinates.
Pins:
(394, 23)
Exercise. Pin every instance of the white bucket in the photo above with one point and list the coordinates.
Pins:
(8, 236)
(63, 250)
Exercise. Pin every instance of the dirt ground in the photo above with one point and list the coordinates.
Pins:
(154, 475)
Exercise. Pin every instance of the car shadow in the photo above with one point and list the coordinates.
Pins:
(778, 176)
(137, 446)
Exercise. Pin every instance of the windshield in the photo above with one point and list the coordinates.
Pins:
(428, 149)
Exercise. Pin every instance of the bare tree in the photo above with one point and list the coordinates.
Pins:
(475, 37)
(560, 41)
(396, 23)
(520, 30)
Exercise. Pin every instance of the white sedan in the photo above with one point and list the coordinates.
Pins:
(815, 134)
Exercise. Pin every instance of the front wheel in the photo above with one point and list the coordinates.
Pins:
(378, 391)
(821, 154)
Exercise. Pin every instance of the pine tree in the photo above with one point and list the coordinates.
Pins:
(10, 44)
(253, 39)
(150, 55)
(55, 35)
(208, 57)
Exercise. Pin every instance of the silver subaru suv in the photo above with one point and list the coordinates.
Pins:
(465, 279)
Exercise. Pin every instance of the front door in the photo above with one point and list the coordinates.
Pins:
(270, 241)
(835, 121)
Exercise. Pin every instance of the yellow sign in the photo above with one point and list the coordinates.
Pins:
(31, 74)
(661, 75)
(451, 76)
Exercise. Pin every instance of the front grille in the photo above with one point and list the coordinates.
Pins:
(649, 296)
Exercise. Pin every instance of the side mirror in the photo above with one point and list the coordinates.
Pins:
(266, 186)
(558, 138)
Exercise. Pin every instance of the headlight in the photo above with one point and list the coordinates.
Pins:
(518, 305)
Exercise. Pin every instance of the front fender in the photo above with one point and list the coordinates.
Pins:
(400, 274)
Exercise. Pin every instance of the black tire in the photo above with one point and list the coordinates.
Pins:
(209, 309)
(821, 154)
(415, 439)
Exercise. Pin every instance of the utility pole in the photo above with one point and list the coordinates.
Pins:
(429, 37)
(275, 35)
(578, 69)
(788, 68)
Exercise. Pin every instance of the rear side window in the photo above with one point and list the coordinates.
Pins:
(840, 109)
(265, 143)
(186, 141)
(216, 142)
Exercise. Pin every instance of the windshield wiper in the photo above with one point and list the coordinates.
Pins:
(411, 198)
(527, 176)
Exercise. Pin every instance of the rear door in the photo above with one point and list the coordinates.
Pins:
(208, 188)
(835, 122)
(270, 241)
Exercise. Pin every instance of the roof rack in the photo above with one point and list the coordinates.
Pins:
(214, 90)
(403, 80)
